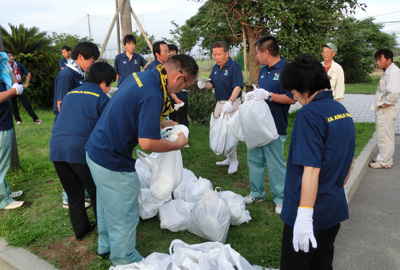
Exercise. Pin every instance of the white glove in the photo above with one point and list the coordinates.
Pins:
(227, 107)
(260, 94)
(303, 231)
(201, 85)
(19, 87)
(177, 106)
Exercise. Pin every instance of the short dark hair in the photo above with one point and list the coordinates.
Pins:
(8, 52)
(220, 44)
(101, 71)
(185, 63)
(173, 47)
(304, 74)
(267, 43)
(156, 47)
(388, 54)
(129, 38)
(86, 49)
(68, 49)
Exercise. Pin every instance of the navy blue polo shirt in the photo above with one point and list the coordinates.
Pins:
(63, 63)
(133, 112)
(125, 67)
(6, 117)
(268, 79)
(153, 65)
(322, 137)
(226, 79)
(66, 80)
(80, 110)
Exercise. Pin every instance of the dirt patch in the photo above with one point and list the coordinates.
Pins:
(68, 254)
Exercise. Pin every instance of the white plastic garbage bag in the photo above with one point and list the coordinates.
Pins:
(257, 123)
(174, 215)
(218, 130)
(180, 191)
(143, 173)
(237, 207)
(155, 261)
(148, 205)
(171, 133)
(166, 172)
(234, 126)
(206, 256)
(195, 189)
(210, 217)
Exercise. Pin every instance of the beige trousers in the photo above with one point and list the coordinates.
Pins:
(384, 123)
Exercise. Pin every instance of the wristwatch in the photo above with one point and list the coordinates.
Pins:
(269, 98)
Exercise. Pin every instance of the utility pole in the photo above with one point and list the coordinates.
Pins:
(118, 31)
(14, 148)
(126, 23)
(88, 22)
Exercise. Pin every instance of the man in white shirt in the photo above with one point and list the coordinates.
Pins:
(334, 70)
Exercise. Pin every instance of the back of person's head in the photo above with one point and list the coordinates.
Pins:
(101, 71)
(129, 38)
(86, 49)
(267, 43)
(9, 52)
(185, 63)
(220, 44)
(304, 74)
(173, 47)
(156, 47)
(68, 49)
(388, 54)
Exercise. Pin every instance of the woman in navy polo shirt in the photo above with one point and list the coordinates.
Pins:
(80, 110)
(320, 157)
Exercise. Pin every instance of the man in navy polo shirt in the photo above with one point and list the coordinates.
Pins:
(128, 62)
(227, 79)
(320, 157)
(161, 54)
(66, 53)
(278, 100)
(133, 116)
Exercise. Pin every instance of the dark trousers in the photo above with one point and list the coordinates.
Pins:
(180, 116)
(27, 105)
(320, 258)
(74, 179)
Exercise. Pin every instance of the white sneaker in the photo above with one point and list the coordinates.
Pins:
(250, 199)
(66, 206)
(14, 205)
(278, 208)
(233, 167)
(225, 162)
(19, 123)
(17, 194)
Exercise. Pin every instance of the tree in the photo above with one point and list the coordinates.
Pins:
(141, 44)
(64, 39)
(299, 26)
(184, 37)
(357, 42)
(33, 49)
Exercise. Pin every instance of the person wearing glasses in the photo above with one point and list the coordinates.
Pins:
(133, 116)
(227, 79)
(161, 54)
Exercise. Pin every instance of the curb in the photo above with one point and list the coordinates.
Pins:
(360, 166)
(20, 259)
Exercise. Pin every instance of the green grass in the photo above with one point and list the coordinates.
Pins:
(363, 88)
(42, 222)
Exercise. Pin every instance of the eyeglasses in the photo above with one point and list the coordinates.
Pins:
(184, 79)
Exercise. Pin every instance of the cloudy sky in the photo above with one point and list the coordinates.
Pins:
(155, 16)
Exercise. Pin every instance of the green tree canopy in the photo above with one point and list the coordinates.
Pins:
(184, 37)
(64, 39)
(141, 44)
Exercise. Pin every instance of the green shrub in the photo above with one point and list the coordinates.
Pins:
(201, 105)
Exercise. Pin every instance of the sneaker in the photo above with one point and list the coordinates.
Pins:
(92, 225)
(233, 167)
(16, 194)
(377, 165)
(186, 146)
(19, 123)
(102, 256)
(14, 205)
(225, 162)
(278, 208)
(66, 206)
(38, 122)
(250, 199)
